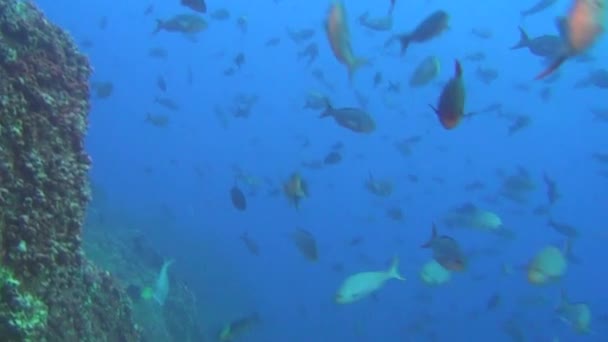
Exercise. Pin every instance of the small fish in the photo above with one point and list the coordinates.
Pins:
(161, 290)
(579, 30)
(493, 302)
(552, 191)
(377, 24)
(299, 36)
(251, 245)
(540, 6)
(364, 284)
(577, 315)
(431, 27)
(167, 103)
(184, 23)
(338, 35)
(195, 5)
(273, 41)
(236, 328)
(103, 89)
(220, 14)
(548, 265)
(306, 244)
(238, 199)
(239, 60)
(149, 9)
(353, 119)
(425, 72)
(157, 120)
(564, 229)
(332, 158)
(546, 46)
(446, 251)
(450, 108)
(295, 189)
(158, 52)
(161, 83)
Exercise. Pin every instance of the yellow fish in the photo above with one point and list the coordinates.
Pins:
(336, 28)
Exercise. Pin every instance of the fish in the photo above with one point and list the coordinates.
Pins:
(577, 315)
(251, 245)
(450, 108)
(184, 23)
(220, 14)
(161, 290)
(580, 29)
(237, 327)
(493, 302)
(354, 119)
(295, 189)
(564, 229)
(548, 265)
(552, 191)
(338, 35)
(425, 72)
(431, 27)
(195, 5)
(332, 158)
(238, 199)
(103, 89)
(432, 273)
(446, 251)
(161, 83)
(378, 187)
(540, 6)
(546, 46)
(364, 284)
(378, 23)
(306, 244)
(299, 36)
(157, 120)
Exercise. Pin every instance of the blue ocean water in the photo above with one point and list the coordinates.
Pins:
(172, 183)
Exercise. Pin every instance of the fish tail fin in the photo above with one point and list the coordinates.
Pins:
(328, 109)
(524, 40)
(356, 65)
(433, 236)
(393, 272)
(404, 40)
(159, 26)
(363, 17)
(168, 262)
(457, 68)
(554, 66)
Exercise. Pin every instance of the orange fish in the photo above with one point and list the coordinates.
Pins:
(336, 28)
(451, 102)
(579, 30)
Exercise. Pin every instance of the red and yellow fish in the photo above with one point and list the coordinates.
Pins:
(336, 28)
(579, 30)
(450, 109)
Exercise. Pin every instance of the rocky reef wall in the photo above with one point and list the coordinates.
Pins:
(48, 289)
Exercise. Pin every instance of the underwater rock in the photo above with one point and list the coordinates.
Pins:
(52, 293)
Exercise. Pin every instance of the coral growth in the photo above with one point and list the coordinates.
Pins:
(49, 290)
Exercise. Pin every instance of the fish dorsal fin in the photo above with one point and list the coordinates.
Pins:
(562, 27)
(433, 237)
(468, 207)
(457, 69)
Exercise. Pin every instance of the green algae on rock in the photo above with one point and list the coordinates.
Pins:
(53, 292)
